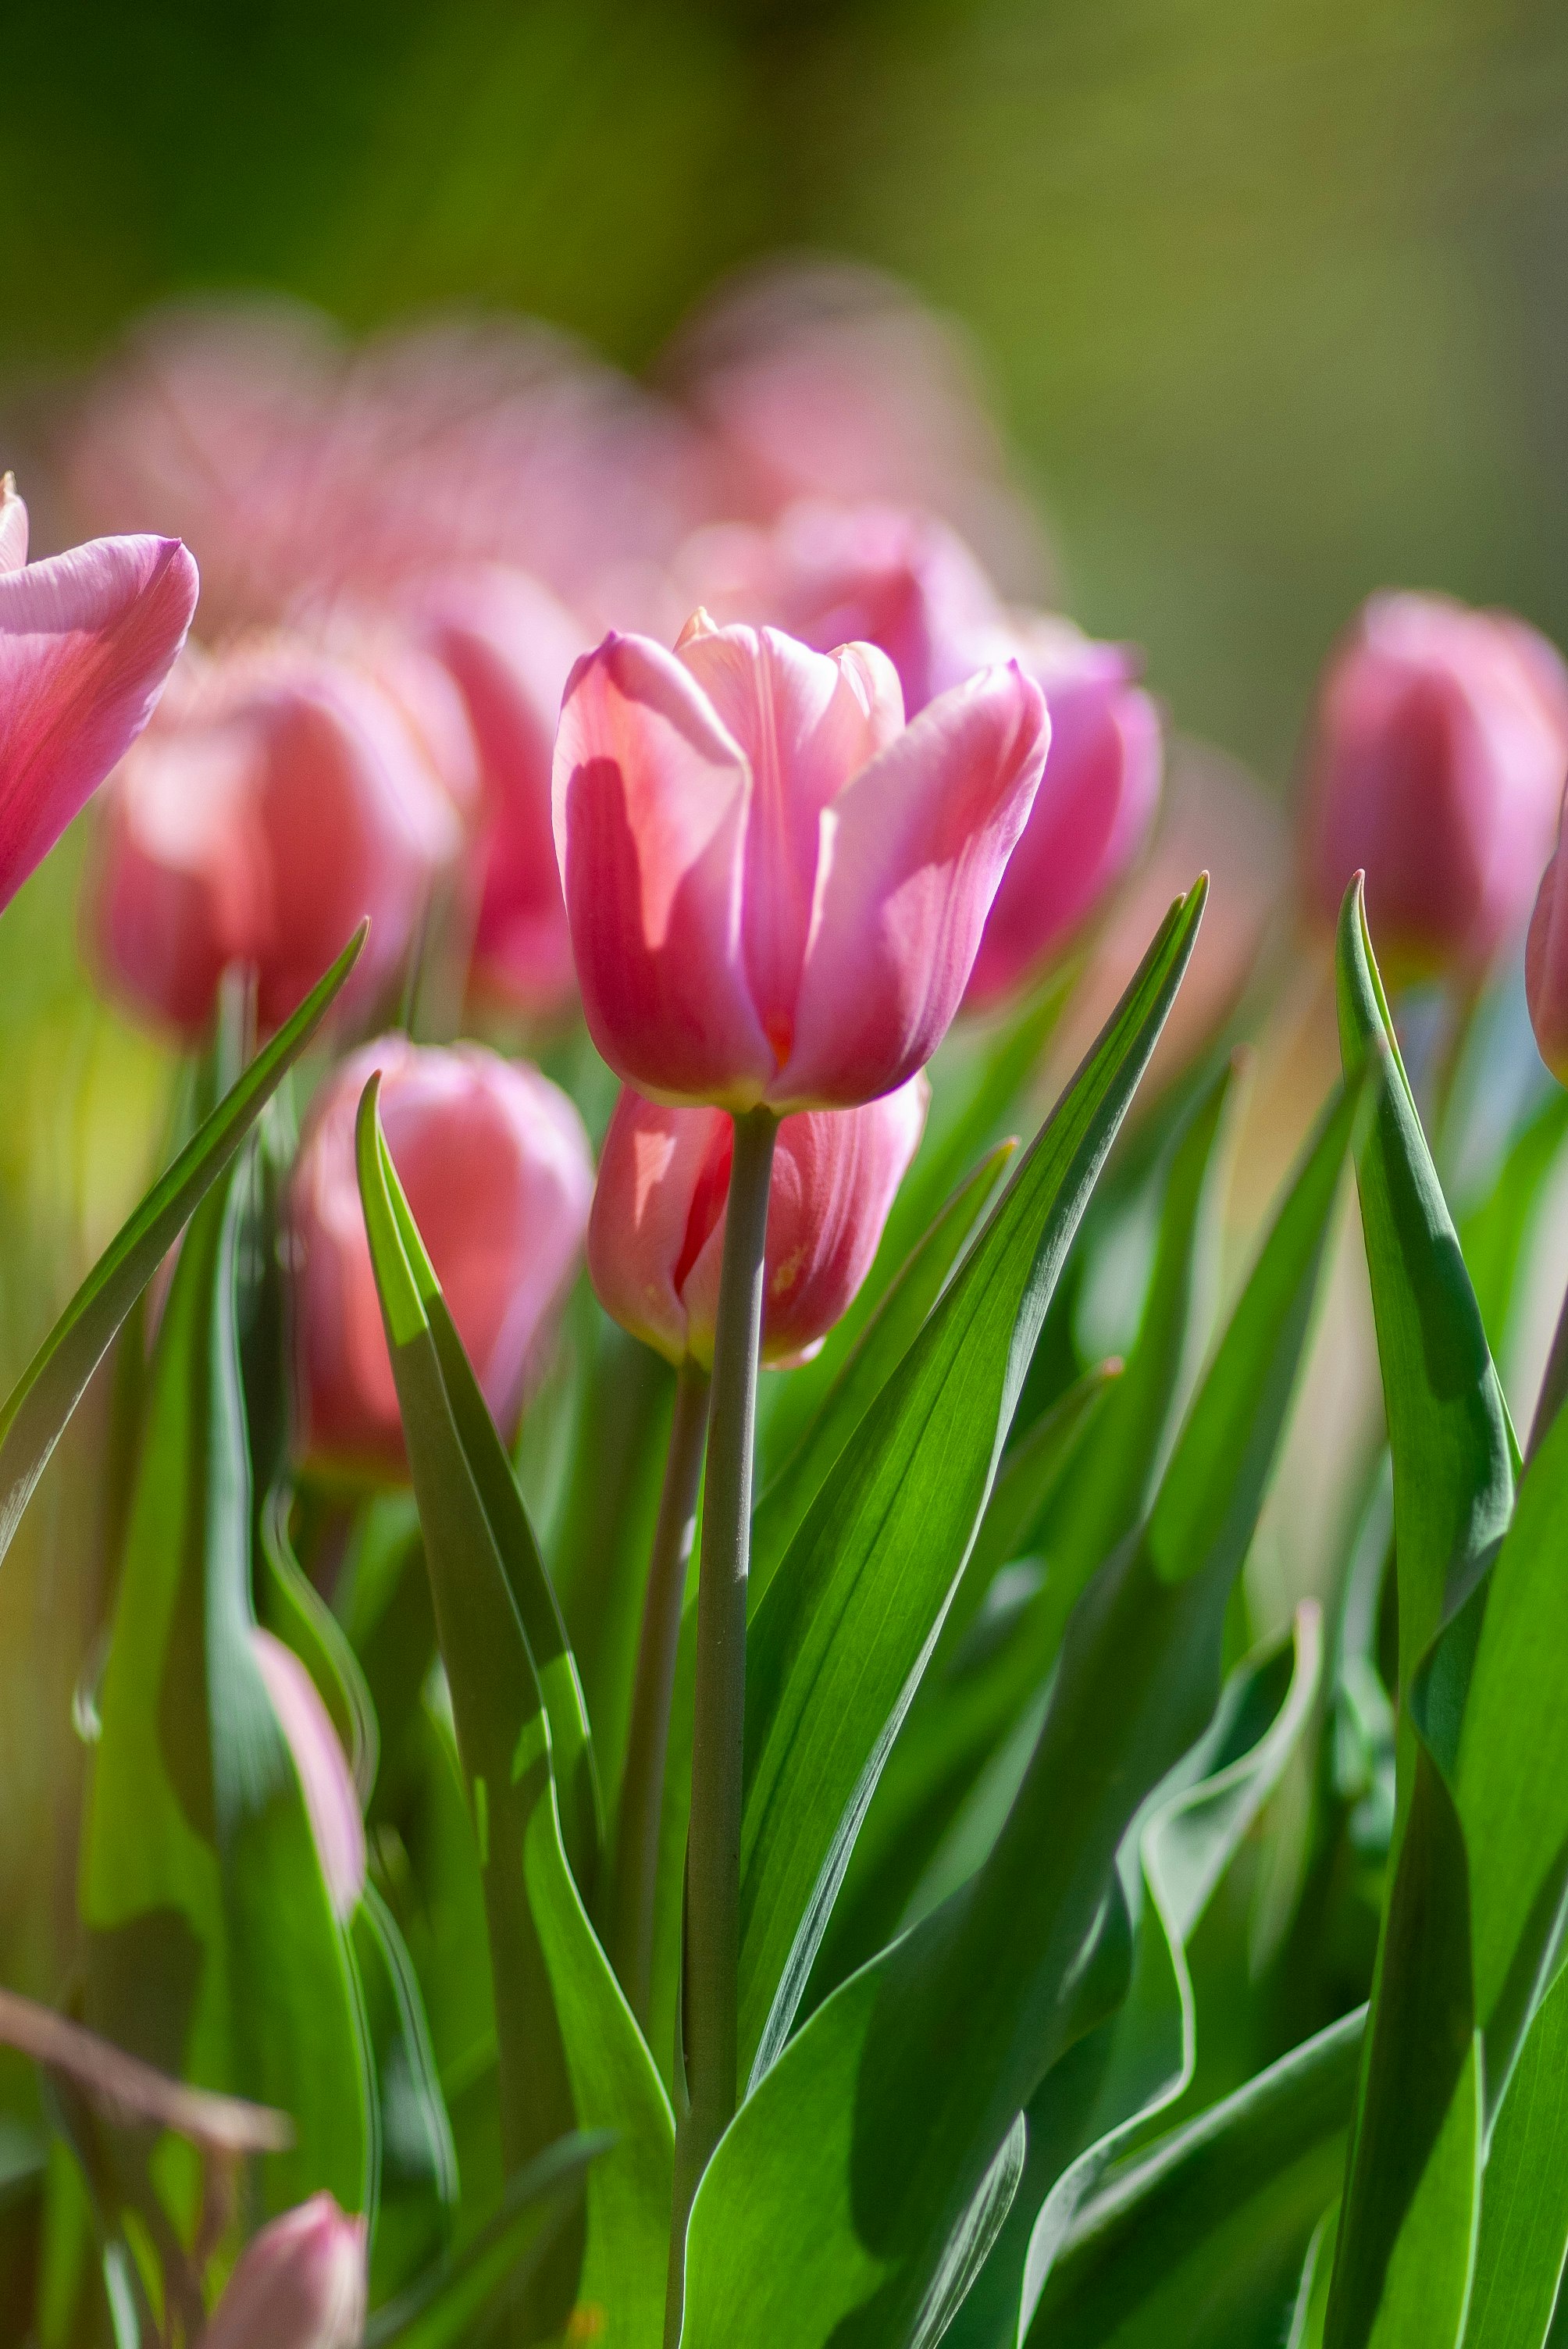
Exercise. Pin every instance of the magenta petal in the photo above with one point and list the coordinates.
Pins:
(85, 642)
(651, 800)
(913, 852)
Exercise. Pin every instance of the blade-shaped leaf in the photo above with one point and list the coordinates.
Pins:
(1524, 2199)
(570, 2051)
(842, 1636)
(52, 1385)
(419, 2169)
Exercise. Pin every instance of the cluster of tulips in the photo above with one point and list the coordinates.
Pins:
(819, 794)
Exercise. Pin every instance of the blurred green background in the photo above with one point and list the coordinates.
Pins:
(1271, 295)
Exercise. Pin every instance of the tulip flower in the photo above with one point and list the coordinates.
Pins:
(299, 2284)
(1437, 765)
(86, 640)
(499, 1175)
(280, 797)
(656, 1238)
(776, 888)
(510, 646)
(1091, 814)
(325, 1780)
(1546, 964)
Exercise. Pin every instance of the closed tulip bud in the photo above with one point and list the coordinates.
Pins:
(86, 640)
(499, 1175)
(1546, 964)
(299, 2284)
(325, 1780)
(510, 647)
(655, 1239)
(775, 886)
(1436, 765)
(1091, 814)
(280, 797)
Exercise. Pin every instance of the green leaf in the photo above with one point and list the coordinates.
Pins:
(53, 1383)
(873, 2134)
(293, 1610)
(444, 2309)
(1525, 2200)
(1196, 2242)
(417, 2167)
(570, 2051)
(842, 1636)
(200, 1873)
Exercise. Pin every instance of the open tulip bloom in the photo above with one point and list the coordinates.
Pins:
(583, 1842)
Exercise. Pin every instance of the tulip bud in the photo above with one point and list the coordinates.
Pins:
(655, 1239)
(1546, 966)
(299, 2284)
(280, 797)
(325, 1778)
(776, 888)
(1436, 765)
(499, 1175)
(1091, 814)
(510, 646)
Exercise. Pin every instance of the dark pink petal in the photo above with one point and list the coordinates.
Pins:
(654, 1205)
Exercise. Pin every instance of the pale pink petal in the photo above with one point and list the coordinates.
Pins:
(663, 1174)
(13, 525)
(298, 2285)
(85, 641)
(651, 797)
(913, 852)
(325, 1777)
(1546, 966)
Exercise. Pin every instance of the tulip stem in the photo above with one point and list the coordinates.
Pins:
(710, 1986)
(631, 1890)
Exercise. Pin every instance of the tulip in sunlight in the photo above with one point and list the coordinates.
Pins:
(776, 888)
(299, 2284)
(655, 1239)
(86, 639)
(496, 1165)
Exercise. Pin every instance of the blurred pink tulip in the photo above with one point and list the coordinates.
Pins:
(655, 1239)
(776, 888)
(280, 798)
(325, 1780)
(1546, 964)
(1091, 814)
(1436, 765)
(299, 2284)
(510, 646)
(86, 640)
(499, 1175)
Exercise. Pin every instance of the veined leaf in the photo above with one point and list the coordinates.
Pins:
(840, 1639)
(1524, 2197)
(569, 2050)
(877, 2126)
(53, 1383)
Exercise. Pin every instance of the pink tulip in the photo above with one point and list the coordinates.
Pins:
(1437, 765)
(325, 1781)
(86, 640)
(510, 646)
(776, 888)
(280, 797)
(655, 1239)
(1546, 964)
(1091, 814)
(299, 2284)
(499, 1175)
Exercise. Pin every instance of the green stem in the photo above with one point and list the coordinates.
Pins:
(635, 1877)
(710, 1989)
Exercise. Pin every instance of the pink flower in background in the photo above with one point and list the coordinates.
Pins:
(1435, 764)
(1546, 963)
(655, 1239)
(510, 646)
(299, 2284)
(499, 1175)
(1092, 813)
(281, 796)
(776, 888)
(86, 640)
(325, 1781)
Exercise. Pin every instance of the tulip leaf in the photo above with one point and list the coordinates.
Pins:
(1524, 2204)
(839, 1642)
(418, 2180)
(295, 1611)
(1196, 2241)
(443, 2310)
(51, 1388)
(872, 2134)
(571, 2054)
(200, 1870)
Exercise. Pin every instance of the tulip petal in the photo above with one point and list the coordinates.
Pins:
(13, 525)
(912, 850)
(325, 1780)
(651, 797)
(655, 1207)
(85, 641)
